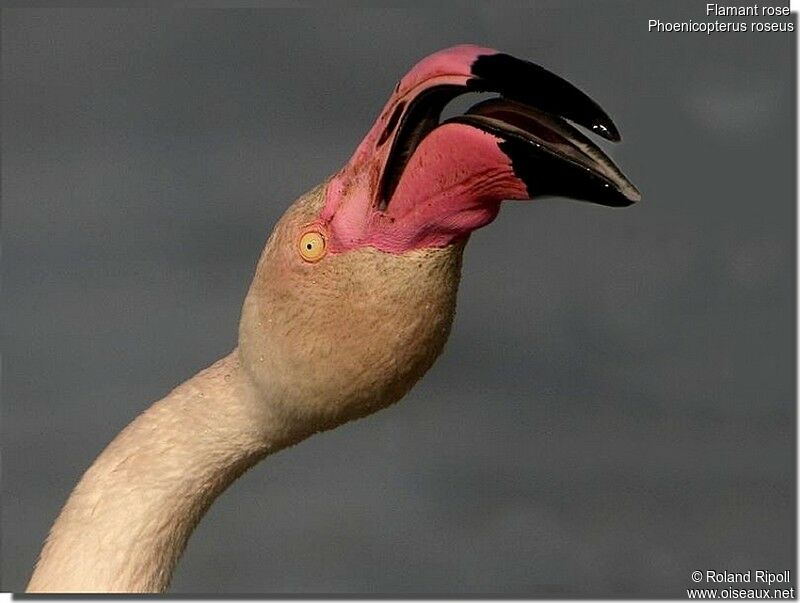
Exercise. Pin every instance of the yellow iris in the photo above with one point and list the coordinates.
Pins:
(312, 246)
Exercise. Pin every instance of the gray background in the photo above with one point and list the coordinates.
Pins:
(615, 407)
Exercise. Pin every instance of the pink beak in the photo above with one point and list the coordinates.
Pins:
(416, 181)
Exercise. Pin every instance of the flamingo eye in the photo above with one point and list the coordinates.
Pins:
(312, 246)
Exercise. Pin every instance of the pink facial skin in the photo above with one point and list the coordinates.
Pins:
(452, 184)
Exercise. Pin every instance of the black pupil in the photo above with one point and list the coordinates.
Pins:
(309, 246)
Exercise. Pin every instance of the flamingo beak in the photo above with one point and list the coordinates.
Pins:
(417, 180)
(532, 117)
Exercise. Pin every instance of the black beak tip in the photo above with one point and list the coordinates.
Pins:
(626, 200)
(534, 85)
(622, 195)
(546, 174)
(605, 194)
(606, 129)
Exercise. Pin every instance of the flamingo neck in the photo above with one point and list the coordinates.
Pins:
(127, 522)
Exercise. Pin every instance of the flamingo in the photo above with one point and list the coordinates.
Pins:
(351, 303)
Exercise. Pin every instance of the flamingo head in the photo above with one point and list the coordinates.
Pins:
(355, 292)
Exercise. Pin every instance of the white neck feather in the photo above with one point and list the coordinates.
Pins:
(128, 520)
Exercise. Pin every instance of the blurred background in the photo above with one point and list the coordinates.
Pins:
(615, 407)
